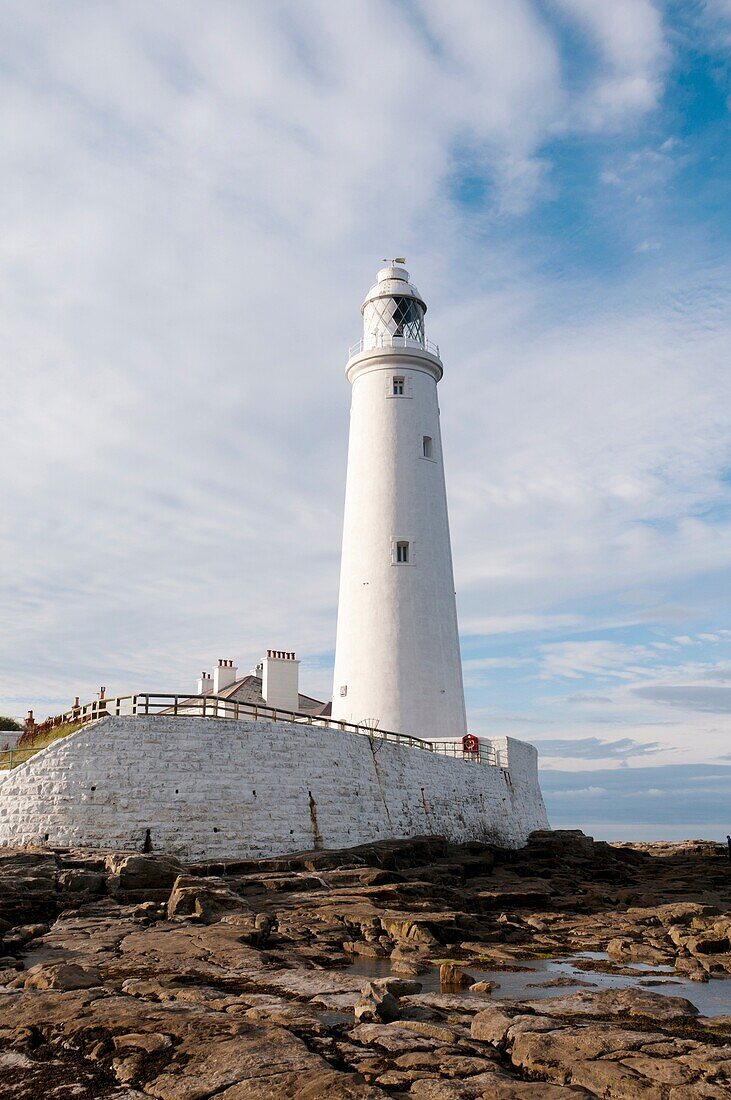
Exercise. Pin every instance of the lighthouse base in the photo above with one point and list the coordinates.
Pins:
(206, 788)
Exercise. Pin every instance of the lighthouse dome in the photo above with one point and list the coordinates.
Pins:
(393, 310)
(393, 281)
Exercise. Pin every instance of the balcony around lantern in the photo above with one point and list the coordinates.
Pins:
(388, 340)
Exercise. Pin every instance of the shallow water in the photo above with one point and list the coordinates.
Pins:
(711, 998)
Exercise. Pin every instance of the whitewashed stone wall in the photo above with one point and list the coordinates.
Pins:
(215, 789)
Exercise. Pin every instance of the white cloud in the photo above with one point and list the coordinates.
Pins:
(628, 36)
(574, 660)
(582, 792)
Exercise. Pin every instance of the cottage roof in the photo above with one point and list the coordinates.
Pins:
(247, 689)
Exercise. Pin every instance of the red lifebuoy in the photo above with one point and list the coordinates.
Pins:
(470, 743)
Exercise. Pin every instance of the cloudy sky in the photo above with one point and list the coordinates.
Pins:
(194, 201)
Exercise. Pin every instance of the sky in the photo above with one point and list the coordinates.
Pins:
(195, 199)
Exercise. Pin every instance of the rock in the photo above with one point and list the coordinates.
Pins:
(148, 1042)
(484, 987)
(140, 876)
(63, 976)
(605, 1078)
(450, 974)
(629, 950)
(82, 882)
(449, 1002)
(441, 1032)
(368, 950)
(515, 897)
(536, 1090)
(399, 987)
(555, 1054)
(336, 1086)
(691, 968)
(202, 899)
(30, 932)
(391, 1037)
(424, 1059)
(376, 1004)
(618, 1002)
(254, 1060)
(464, 1066)
(491, 1024)
(127, 1069)
(472, 1088)
(402, 966)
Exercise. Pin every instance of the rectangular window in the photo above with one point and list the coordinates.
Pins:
(398, 387)
(402, 553)
(427, 447)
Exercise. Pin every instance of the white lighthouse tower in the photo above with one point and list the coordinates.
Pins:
(397, 659)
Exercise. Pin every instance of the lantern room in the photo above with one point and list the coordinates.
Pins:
(393, 311)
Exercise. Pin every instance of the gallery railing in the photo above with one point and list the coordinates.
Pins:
(38, 735)
(387, 340)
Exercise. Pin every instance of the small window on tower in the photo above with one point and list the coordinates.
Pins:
(398, 387)
(427, 446)
(402, 553)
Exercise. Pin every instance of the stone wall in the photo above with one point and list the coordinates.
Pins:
(215, 789)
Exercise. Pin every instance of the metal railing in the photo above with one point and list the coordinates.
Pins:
(386, 340)
(486, 754)
(11, 758)
(213, 706)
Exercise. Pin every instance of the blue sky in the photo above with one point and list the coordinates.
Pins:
(194, 203)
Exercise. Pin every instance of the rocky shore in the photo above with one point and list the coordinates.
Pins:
(362, 973)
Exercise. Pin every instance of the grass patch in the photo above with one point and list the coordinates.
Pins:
(11, 758)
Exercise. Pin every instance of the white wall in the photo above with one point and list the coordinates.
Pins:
(217, 789)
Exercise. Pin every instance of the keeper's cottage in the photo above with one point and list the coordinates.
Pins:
(249, 766)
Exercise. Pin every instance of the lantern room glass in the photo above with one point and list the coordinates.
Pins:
(393, 320)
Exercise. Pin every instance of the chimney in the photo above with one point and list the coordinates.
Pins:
(280, 680)
(223, 676)
(205, 683)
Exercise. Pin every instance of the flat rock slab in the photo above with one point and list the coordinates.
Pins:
(617, 1002)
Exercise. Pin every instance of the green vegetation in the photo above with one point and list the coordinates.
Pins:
(10, 758)
(9, 724)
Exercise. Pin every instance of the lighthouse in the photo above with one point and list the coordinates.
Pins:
(397, 658)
